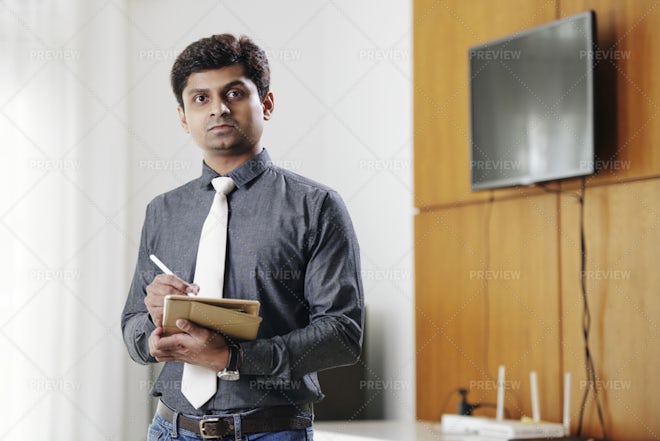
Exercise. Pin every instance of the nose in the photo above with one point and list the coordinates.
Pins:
(220, 108)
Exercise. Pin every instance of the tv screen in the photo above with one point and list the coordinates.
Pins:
(531, 105)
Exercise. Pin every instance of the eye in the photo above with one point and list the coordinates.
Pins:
(199, 99)
(234, 94)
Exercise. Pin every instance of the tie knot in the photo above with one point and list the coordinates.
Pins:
(223, 184)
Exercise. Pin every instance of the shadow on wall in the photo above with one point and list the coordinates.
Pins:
(349, 390)
(605, 104)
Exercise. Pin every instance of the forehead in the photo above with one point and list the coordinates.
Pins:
(218, 78)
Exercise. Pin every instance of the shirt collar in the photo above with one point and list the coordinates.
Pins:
(242, 174)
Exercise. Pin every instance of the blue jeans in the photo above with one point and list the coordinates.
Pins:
(162, 430)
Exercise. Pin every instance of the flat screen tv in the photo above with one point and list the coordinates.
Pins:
(532, 105)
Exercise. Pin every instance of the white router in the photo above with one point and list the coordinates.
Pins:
(512, 429)
(462, 424)
(500, 428)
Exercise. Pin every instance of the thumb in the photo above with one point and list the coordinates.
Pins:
(185, 325)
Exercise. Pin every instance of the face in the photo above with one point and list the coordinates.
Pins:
(223, 112)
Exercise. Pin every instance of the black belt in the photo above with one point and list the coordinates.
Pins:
(274, 419)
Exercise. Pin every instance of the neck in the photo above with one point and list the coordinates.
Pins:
(223, 164)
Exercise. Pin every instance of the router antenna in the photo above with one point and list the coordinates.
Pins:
(536, 412)
(499, 414)
(567, 404)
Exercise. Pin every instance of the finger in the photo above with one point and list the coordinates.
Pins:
(195, 331)
(196, 337)
(192, 288)
(154, 302)
(174, 342)
(187, 326)
(170, 284)
(154, 337)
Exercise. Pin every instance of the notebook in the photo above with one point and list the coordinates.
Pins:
(235, 318)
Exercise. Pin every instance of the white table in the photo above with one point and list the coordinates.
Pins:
(385, 430)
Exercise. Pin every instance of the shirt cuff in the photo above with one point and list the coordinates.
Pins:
(265, 357)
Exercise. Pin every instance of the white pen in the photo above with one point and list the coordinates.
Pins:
(169, 272)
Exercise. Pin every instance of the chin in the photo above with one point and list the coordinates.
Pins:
(228, 149)
(219, 148)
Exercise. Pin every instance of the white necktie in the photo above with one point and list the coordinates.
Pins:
(198, 383)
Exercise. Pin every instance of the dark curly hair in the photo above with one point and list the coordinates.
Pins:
(219, 51)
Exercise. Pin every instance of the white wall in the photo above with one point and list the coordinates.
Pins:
(89, 135)
(342, 79)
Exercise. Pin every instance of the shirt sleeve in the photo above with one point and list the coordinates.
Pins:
(333, 291)
(136, 323)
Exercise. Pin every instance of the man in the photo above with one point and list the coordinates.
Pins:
(290, 245)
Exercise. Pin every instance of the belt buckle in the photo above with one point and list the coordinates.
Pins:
(228, 427)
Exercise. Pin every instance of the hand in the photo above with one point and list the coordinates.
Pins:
(195, 345)
(161, 286)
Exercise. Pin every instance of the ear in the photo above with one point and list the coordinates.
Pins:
(182, 118)
(268, 105)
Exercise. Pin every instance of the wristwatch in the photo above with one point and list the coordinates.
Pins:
(230, 373)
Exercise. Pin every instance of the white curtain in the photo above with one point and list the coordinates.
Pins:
(65, 242)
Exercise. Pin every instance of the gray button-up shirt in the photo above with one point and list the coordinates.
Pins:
(291, 246)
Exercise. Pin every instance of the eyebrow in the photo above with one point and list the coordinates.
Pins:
(225, 87)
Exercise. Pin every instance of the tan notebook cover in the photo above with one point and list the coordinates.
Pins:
(235, 318)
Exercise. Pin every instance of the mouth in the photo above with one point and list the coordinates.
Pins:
(220, 127)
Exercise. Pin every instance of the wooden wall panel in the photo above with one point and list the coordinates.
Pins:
(443, 31)
(533, 321)
(449, 307)
(628, 68)
(487, 295)
(622, 224)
